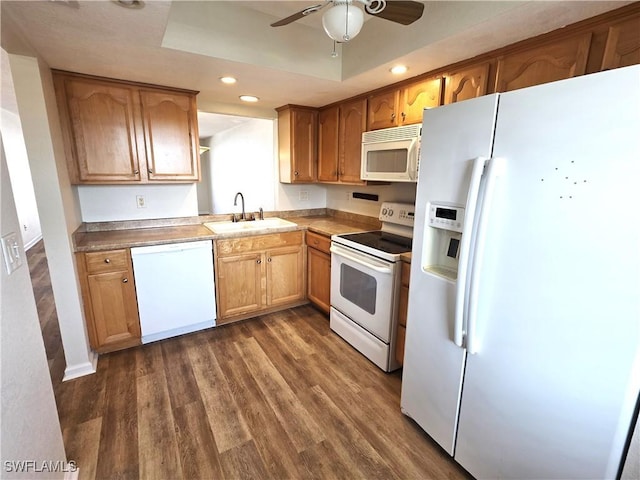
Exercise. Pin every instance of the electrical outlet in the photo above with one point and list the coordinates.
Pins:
(349, 195)
(11, 252)
(304, 196)
(140, 201)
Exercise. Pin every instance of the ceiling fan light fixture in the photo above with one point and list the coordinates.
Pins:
(343, 21)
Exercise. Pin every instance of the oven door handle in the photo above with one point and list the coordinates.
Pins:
(380, 267)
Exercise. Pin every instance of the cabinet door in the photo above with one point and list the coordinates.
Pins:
(353, 121)
(100, 130)
(623, 44)
(239, 284)
(171, 136)
(383, 110)
(547, 63)
(285, 275)
(417, 97)
(114, 310)
(328, 144)
(319, 278)
(468, 83)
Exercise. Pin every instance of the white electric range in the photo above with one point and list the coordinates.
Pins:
(365, 284)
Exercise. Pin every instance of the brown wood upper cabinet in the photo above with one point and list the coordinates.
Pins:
(623, 44)
(549, 62)
(297, 143)
(121, 132)
(340, 142)
(470, 82)
(403, 106)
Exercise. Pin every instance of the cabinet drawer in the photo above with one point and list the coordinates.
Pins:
(108, 261)
(319, 242)
(257, 243)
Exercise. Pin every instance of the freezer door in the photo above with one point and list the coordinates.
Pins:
(453, 136)
(551, 390)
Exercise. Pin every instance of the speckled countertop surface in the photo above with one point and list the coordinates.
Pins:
(95, 240)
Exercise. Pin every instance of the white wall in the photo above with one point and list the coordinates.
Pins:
(17, 161)
(106, 203)
(203, 187)
(29, 419)
(241, 160)
(58, 204)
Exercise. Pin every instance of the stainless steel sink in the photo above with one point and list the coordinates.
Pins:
(267, 225)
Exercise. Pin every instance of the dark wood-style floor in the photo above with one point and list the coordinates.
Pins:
(279, 396)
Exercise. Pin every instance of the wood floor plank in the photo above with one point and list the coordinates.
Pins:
(158, 457)
(224, 415)
(300, 427)
(322, 462)
(182, 384)
(149, 359)
(118, 452)
(81, 443)
(270, 438)
(243, 462)
(351, 446)
(198, 452)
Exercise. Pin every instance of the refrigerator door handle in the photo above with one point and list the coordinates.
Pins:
(466, 252)
(495, 167)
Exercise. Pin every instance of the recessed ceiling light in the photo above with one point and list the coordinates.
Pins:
(129, 3)
(399, 69)
(248, 98)
(228, 80)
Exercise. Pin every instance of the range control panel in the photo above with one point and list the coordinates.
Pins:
(399, 213)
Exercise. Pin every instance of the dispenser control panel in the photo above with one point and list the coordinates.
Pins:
(446, 217)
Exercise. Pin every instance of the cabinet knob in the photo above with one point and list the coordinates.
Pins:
(258, 261)
(150, 171)
(136, 172)
(296, 174)
(125, 280)
(106, 260)
(393, 116)
(269, 260)
(404, 116)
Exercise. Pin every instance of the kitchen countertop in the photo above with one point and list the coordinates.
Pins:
(88, 241)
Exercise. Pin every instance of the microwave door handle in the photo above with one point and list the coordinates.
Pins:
(377, 268)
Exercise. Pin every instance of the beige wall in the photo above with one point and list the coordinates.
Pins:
(29, 419)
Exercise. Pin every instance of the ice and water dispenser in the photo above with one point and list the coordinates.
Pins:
(441, 246)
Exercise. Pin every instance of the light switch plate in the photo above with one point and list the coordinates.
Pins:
(11, 252)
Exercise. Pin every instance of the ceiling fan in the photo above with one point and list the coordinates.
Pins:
(343, 20)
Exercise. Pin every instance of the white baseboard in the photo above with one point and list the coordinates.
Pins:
(82, 369)
(30, 244)
(72, 475)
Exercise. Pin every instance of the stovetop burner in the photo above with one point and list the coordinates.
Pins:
(383, 241)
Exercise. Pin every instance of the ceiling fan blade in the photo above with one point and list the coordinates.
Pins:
(403, 12)
(299, 15)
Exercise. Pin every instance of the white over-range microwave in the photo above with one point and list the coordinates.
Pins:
(391, 154)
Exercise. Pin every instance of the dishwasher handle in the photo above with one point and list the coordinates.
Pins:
(171, 247)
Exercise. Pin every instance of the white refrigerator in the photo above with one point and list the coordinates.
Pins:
(522, 356)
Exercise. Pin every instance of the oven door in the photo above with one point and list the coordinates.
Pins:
(363, 288)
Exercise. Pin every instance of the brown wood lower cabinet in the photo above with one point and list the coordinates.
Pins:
(402, 311)
(259, 273)
(109, 297)
(319, 270)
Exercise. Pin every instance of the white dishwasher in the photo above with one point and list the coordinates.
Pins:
(175, 288)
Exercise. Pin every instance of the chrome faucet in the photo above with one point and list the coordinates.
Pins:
(235, 203)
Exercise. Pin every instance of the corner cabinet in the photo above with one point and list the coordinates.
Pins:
(259, 273)
(297, 143)
(109, 298)
(403, 306)
(117, 132)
